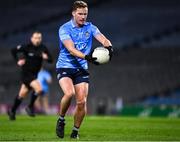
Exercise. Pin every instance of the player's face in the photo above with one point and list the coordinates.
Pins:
(80, 16)
(36, 39)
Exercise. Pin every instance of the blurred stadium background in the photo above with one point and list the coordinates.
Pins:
(143, 78)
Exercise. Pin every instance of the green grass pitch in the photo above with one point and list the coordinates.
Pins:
(94, 128)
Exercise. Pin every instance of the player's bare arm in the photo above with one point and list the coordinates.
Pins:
(106, 43)
(73, 51)
(103, 40)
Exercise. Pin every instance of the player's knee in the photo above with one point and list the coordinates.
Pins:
(22, 95)
(81, 104)
(39, 92)
(69, 94)
(38, 89)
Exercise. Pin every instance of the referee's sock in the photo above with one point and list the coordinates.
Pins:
(17, 102)
(33, 99)
(61, 118)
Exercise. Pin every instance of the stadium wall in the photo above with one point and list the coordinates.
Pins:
(131, 76)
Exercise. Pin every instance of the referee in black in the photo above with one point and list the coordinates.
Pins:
(29, 57)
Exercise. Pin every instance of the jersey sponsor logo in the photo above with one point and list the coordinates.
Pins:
(80, 45)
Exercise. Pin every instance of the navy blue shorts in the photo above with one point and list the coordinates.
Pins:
(77, 75)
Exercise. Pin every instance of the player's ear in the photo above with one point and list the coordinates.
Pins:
(31, 39)
(73, 13)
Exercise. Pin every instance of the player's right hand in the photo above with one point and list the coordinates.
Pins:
(21, 62)
(91, 59)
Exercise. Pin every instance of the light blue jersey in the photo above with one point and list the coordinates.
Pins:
(43, 77)
(82, 39)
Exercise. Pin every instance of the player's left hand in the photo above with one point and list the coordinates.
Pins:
(110, 49)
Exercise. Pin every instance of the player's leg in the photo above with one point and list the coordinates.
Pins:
(45, 103)
(36, 86)
(81, 90)
(18, 100)
(37, 104)
(67, 87)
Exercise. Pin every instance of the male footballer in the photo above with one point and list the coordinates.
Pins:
(72, 68)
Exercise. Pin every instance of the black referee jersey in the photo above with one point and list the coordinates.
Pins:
(33, 56)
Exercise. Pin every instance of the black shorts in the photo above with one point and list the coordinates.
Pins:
(77, 75)
(28, 77)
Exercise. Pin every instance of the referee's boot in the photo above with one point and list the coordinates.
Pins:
(12, 115)
(30, 111)
(74, 135)
(60, 128)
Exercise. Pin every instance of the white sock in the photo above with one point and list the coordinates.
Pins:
(75, 128)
